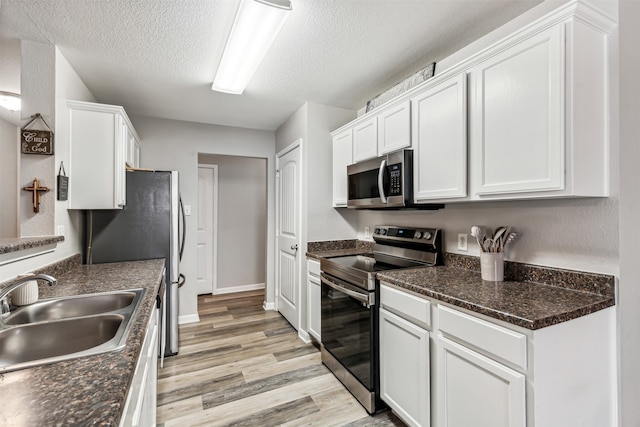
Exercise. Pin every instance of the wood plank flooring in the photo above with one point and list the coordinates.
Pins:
(243, 366)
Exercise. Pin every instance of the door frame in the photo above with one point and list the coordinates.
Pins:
(214, 243)
(296, 144)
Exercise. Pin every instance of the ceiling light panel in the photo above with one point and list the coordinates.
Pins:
(255, 28)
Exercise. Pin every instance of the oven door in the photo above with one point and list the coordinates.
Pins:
(349, 328)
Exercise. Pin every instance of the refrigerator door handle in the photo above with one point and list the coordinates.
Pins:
(182, 229)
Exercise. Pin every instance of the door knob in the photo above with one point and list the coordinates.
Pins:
(294, 247)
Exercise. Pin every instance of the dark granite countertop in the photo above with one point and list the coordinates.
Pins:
(526, 304)
(533, 298)
(21, 243)
(88, 391)
(318, 255)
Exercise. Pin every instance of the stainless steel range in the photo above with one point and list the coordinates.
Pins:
(349, 312)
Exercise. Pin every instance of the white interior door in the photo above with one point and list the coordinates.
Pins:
(207, 186)
(288, 208)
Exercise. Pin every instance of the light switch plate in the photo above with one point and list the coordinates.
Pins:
(187, 210)
(462, 241)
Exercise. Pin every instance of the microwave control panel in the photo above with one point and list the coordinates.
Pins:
(395, 172)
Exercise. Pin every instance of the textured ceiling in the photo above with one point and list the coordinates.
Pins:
(158, 57)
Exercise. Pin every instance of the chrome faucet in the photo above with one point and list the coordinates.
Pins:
(4, 293)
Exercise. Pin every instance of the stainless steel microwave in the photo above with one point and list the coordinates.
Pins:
(384, 182)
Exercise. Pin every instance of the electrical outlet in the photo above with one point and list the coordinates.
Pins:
(187, 210)
(462, 241)
(59, 230)
(366, 232)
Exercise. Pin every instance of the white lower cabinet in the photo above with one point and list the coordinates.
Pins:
(478, 391)
(313, 299)
(140, 407)
(448, 367)
(404, 355)
(404, 368)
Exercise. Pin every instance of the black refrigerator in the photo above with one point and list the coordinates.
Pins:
(149, 226)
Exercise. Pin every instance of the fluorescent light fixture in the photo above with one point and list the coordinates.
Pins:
(10, 101)
(256, 26)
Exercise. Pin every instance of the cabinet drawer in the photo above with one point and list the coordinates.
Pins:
(410, 307)
(509, 345)
(313, 267)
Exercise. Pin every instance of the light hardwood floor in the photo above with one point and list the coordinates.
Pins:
(243, 366)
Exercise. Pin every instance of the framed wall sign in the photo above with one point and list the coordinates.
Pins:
(34, 141)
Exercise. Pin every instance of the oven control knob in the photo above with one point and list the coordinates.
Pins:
(427, 235)
(383, 231)
(418, 235)
(376, 231)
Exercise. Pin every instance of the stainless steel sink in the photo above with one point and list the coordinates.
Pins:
(64, 308)
(65, 328)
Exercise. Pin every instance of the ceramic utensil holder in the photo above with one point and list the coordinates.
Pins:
(25, 294)
(492, 266)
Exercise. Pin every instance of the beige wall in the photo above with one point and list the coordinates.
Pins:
(242, 220)
(67, 85)
(8, 179)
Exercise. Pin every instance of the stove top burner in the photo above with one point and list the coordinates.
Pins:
(375, 262)
(396, 248)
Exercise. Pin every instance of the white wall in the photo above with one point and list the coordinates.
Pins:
(628, 300)
(242, 220)
(37, 81)
(67, 86)
(312, 124)
(174, 145)
(324, 221)
(8, 179)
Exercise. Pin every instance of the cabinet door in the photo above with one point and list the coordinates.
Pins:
(394, 126)
(439, 132)
(342, 157)
(404, 368)
(517, 118)
(477, 391)
(365, 140)
(313, 308)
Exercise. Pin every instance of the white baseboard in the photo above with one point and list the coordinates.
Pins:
(188, 318)
(304, 336)
(243, 288)
(269, 306)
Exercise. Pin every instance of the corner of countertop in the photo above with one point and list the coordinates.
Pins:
(14, 244)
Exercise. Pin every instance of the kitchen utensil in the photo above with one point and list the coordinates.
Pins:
(487, 244)
(512, 237)
(475, 232)
(498, 239)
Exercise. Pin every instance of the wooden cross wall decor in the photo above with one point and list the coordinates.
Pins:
(37, 189)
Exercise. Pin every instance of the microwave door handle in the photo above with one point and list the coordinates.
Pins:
(381, 171)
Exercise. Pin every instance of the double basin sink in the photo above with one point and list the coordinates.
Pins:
(57, 329)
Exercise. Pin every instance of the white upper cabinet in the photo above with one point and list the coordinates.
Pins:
(394, 128)
(439, 134)
(342, 157)
(365, 140)
(100, 143)
(517, 117)
(525, 118)
(539, 111)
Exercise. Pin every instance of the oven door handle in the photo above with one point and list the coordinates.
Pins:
(357, 295)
